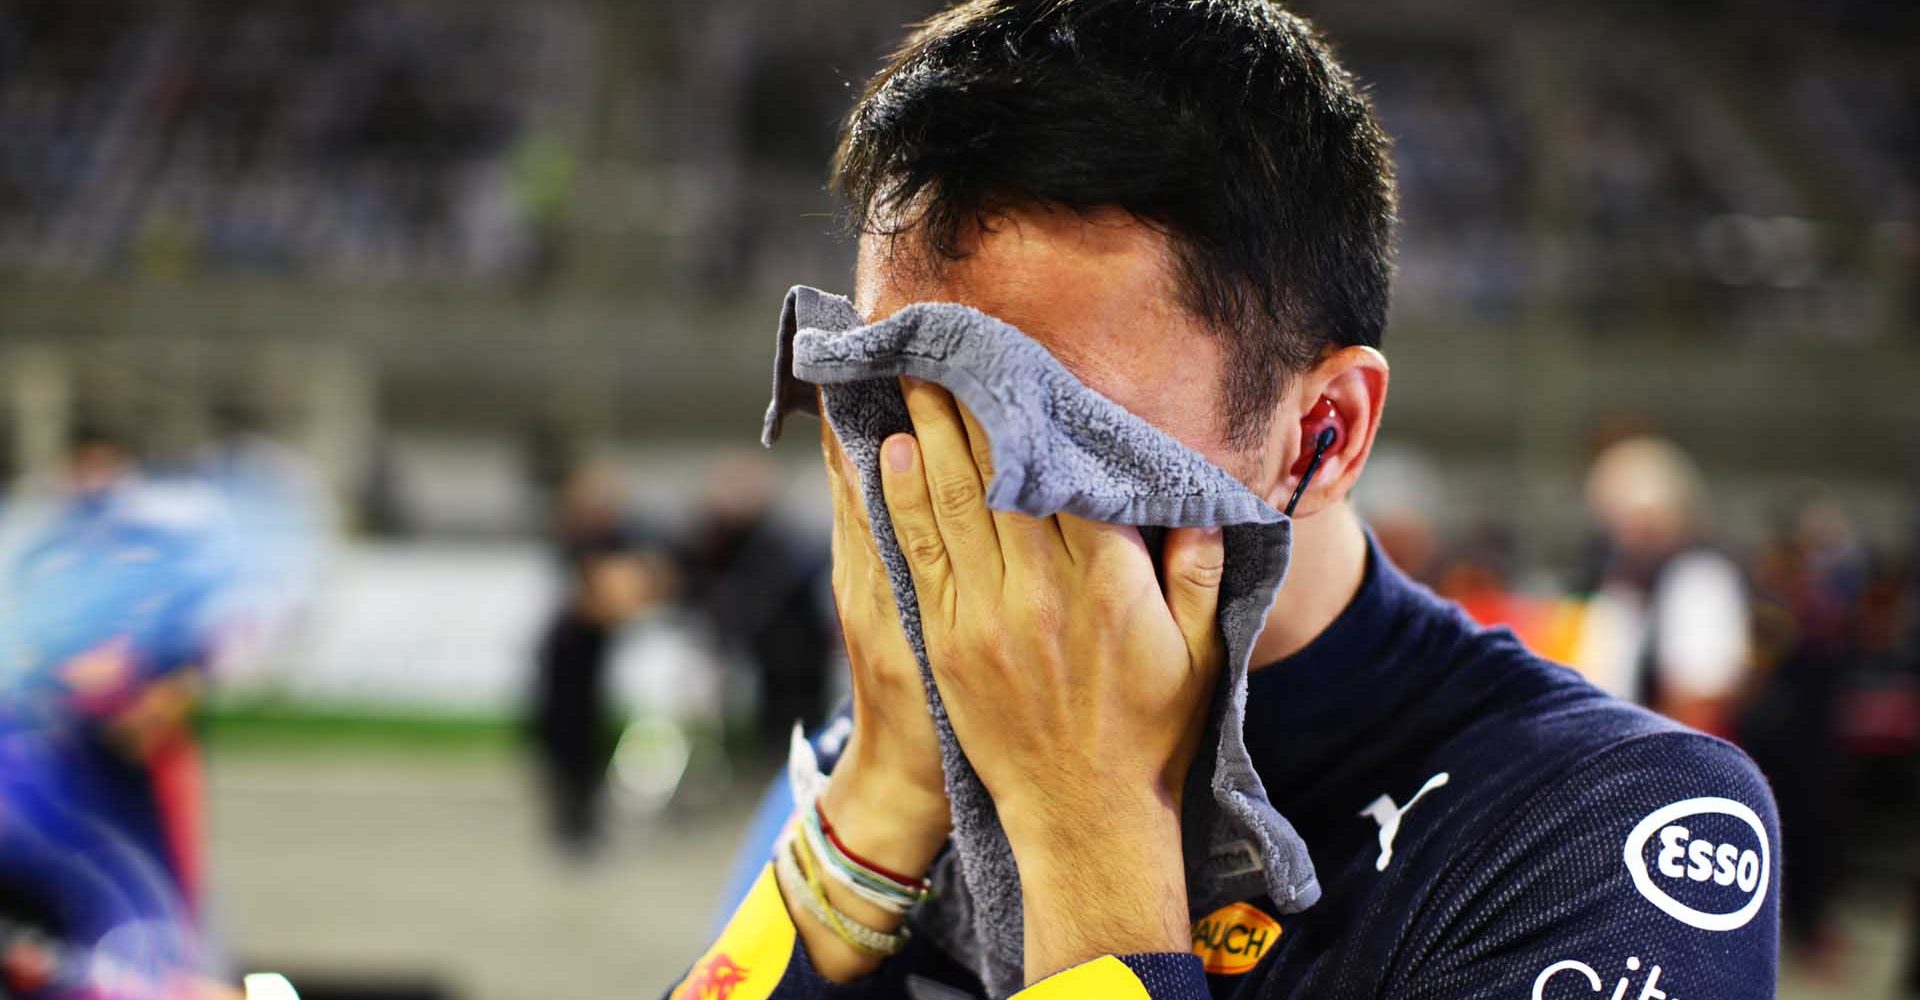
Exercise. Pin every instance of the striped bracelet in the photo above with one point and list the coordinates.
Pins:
(798, 875)
(885, 889)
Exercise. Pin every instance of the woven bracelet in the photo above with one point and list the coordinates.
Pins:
(800, 880)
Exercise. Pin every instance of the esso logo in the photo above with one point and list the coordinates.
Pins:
(1705, 862)
(1700, 860)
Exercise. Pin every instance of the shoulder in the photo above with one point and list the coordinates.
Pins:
(1528, 732)
(1607, 842)
(1506, 712)
(1560, 760)
(1611, 788)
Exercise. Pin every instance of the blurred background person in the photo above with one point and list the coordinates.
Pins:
(610, 577)
(106, 614)
(121, 596)
(759, 585)
(1668, 624)
(1810, 579)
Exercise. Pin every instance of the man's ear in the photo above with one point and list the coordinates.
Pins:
(1347, 390)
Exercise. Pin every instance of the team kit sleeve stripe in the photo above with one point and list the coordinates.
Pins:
(1173, 977)
(750, 959)
(758, 957)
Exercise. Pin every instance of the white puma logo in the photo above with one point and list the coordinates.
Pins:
(1383, 811)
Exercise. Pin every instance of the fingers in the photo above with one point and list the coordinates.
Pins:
(911, 505)
(1195, 561)
(858, 573)
(843, 482)
(1016, 531)
(842, 541)
(846, 506)
(952, 480)
(836, 462)
(977, 444)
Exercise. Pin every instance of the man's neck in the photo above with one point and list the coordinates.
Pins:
(1329, 563)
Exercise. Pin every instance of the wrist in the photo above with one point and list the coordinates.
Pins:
(886, 821)
(1118, 836)
(1090, 818)
(1111, 883)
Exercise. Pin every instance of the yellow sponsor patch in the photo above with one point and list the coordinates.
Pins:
(1233, 938)
(751, 955)
(1105, 978)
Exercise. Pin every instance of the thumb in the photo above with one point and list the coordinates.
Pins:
(1196, 559)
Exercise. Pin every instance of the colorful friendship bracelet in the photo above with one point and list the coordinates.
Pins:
(884, 889)
(918, 886)
(798, 874)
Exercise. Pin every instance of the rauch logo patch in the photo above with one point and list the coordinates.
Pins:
(1705, 862)
(1233, 938)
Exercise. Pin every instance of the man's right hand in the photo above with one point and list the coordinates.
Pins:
(887, 798)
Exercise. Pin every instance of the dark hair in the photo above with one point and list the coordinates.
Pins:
(1226, 123)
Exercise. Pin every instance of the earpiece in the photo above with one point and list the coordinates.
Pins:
(1322, 417)
(1323, 422)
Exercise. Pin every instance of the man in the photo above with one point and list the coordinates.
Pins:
(761, 588)
(1189, 204)
(607, 583)
(104, 617)
(1668, 624)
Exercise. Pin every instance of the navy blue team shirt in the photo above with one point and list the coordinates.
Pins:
(1484, 824)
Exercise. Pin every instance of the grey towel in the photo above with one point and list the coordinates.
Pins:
(1057, 446)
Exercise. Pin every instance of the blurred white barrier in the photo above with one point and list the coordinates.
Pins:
(453, 627)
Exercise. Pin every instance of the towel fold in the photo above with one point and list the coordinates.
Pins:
(1057, 447)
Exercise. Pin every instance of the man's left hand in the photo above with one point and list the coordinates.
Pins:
(1075, 679)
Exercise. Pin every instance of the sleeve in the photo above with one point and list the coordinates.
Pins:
(758, 956)
(776, 805)
(1649, 873)
(1155, 976)
(756, 846)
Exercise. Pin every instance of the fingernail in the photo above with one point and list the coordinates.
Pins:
(1210, 533)
(900, 453)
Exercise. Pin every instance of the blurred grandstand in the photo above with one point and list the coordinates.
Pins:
(371, 225)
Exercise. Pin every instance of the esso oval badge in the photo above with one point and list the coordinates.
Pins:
(1699, 852)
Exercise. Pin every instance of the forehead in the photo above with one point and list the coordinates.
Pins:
(1095, 288)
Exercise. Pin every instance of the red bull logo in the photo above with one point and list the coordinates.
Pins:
(713, 979)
